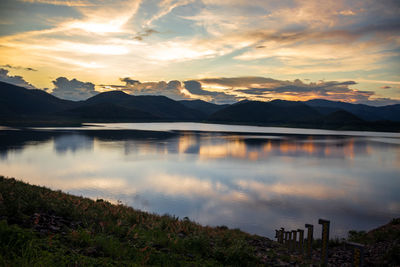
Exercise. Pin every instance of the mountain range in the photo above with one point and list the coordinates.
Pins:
(18, 103)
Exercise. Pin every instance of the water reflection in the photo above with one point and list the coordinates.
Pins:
(72, 142)
(256, 182)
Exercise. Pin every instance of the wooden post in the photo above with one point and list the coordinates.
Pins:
(325, 239)
(301, 240)
(282, 232)
(310, 233)
(358, 254)
(286, 238)
(294, 240)
(289, 239)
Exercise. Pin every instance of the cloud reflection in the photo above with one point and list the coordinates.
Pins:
(237, 180)
(72, 143)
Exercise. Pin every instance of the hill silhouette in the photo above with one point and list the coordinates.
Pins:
(365, 112)
(18, 104)
(19, 101)
(277, 111)
(159, 106)
(107, 111)
(202, 106)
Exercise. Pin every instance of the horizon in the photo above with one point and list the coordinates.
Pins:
(209, 50)
(191, 99)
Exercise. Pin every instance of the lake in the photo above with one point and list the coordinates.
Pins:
(254, 178)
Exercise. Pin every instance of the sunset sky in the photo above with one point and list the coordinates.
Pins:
(220, 51)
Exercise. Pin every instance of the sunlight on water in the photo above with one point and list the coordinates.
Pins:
(256, 182)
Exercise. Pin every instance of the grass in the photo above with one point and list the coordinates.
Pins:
(41, 227)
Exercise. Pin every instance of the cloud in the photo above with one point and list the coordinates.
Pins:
(204, 39)
(16, 80)
(194, 87)
(261, 88)
(191, 89)
(166, 7)
(129, 81)
(197, 91)
(75, 3)
(73, 89)
(8, 66)
(146, 33)
(223, 90)
(385, 87)
(172, 89)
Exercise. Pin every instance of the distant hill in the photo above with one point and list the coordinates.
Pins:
(24, 106)
(159, 106)
(107, 111)
(19, 101)
(299, 114)
(202, 106)
(277, 111)
(365, 112)
(342, 119)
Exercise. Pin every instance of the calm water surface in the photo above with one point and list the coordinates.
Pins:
(253, 178)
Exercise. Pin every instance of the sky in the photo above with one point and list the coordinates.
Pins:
(214, 50)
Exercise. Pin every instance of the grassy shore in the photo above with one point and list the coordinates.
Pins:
(39, 226)
(42, 227)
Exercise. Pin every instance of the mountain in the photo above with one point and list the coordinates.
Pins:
(107, 111)
(19, 101)
(25, 107)
(390, 112)
(159, 106)
(277, 111)
(365, 112)
(204, 107)
(341, 118)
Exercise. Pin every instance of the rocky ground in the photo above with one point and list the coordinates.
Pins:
(381, 248)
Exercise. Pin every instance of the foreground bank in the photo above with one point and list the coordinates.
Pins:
(45, 227)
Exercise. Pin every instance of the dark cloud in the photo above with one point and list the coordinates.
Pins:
(73, 89)
(8, 66)
(306, 35)
(385, 87)
(196, 89)
(254, 91)
(238, 81)
(16, 80)
(322, 88)
(147, 32)
(129, 81)
(388, 27)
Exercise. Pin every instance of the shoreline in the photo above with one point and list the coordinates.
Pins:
(36, 221)
(380, 126)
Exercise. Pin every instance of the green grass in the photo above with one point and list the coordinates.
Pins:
(42, 227)
(89, 233)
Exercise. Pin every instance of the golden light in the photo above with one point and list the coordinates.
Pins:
(95, 27)
(98, 49)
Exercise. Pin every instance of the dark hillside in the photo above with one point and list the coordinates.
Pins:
(16, 101)
(277, 111)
